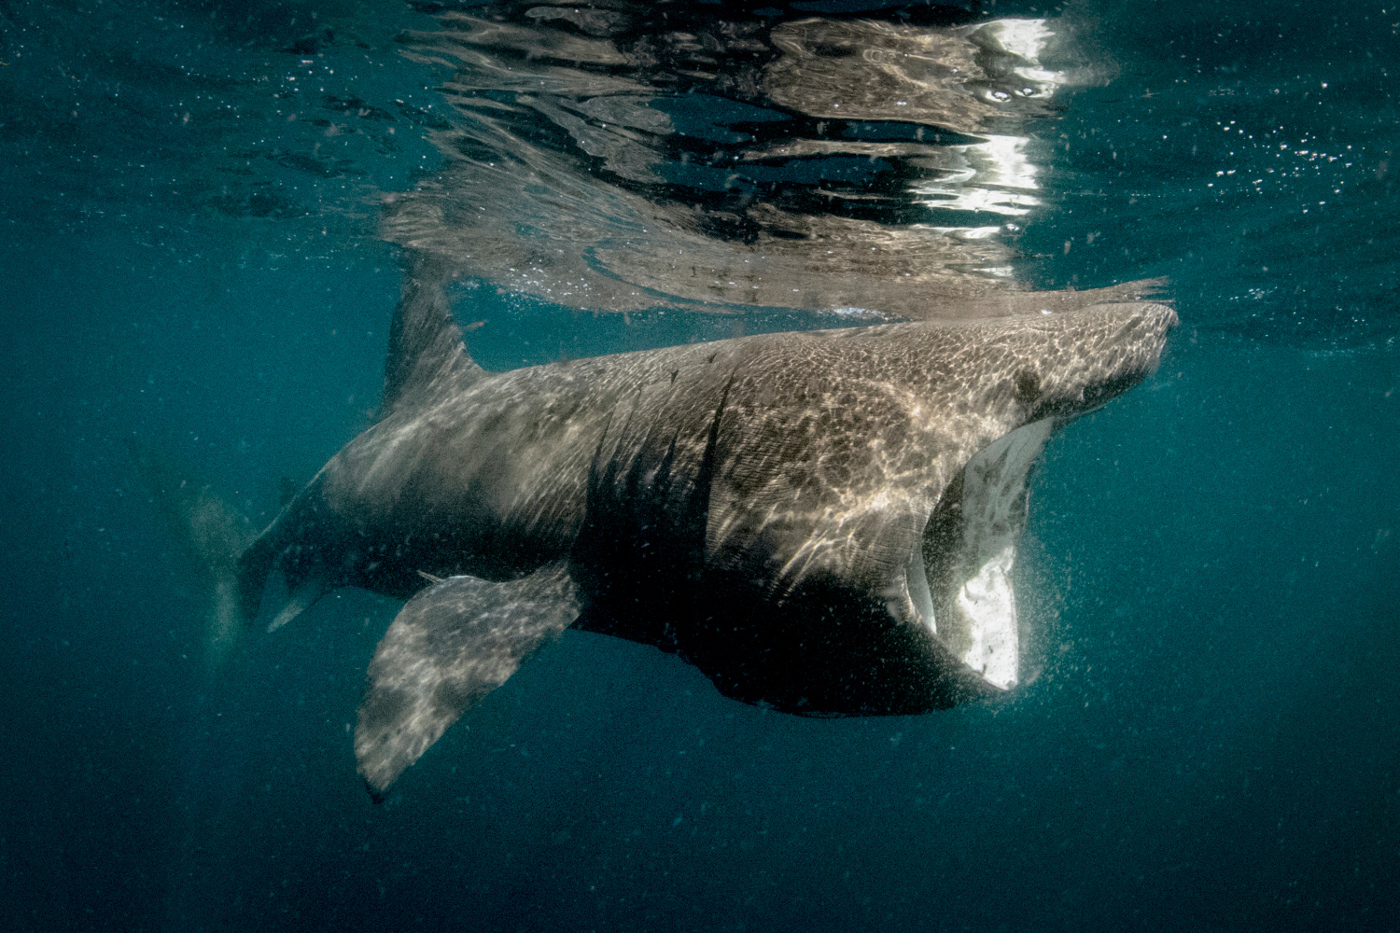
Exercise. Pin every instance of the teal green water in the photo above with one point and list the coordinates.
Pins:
(1210, 739)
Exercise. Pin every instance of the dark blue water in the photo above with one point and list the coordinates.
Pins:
(1210, 741)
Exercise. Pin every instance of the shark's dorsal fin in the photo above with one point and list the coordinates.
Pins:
(449, 647)
(426, 352)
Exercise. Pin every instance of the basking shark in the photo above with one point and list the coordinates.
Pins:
(822, 522)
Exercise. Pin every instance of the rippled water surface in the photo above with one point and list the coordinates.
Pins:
(210, 208)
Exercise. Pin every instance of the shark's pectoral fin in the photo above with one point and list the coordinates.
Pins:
(452, 644)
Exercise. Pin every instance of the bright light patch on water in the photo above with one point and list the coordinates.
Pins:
(991, 168)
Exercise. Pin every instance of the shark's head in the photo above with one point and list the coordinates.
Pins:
(869, 494)
(958, 582)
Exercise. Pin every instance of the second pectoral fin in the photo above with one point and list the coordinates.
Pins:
(452, 644)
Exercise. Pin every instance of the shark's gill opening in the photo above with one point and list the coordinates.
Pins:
(960, 580)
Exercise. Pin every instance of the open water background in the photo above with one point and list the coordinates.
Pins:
(1212, 741)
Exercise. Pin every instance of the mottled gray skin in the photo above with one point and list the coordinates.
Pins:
(751, 504)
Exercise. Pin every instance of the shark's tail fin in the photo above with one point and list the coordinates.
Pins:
(211, 534)
(426, 352)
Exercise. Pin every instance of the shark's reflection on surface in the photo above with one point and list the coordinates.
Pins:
(626, 156)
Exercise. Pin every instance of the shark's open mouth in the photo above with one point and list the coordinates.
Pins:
(960, 579)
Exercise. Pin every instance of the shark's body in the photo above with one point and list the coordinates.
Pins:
(823, 522)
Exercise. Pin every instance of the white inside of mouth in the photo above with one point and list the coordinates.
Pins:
(987, 604)
(979, 623)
